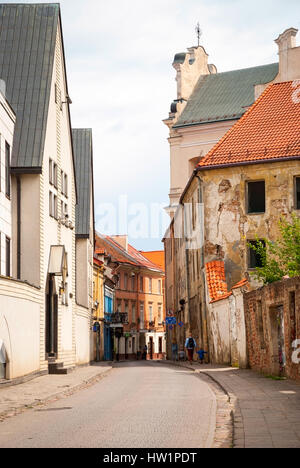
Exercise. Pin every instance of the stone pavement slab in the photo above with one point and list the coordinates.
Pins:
(266, 412)
(16, 399)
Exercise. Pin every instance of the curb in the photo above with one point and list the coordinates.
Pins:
(55, 396)
(224, 431)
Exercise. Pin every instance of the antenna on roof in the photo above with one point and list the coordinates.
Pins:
(199, 33)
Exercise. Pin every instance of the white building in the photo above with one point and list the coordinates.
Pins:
(40, 329)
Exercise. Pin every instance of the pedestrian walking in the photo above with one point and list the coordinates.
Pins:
(190, 346)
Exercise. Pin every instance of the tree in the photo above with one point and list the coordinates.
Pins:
(280, 258)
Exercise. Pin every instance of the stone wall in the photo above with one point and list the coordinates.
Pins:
(272, 316)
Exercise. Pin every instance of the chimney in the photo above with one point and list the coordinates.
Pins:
(122, 241)
(289, 55)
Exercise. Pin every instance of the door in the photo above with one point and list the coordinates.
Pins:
(151, 347)
(108, 343)
(51, 321)
(278, 343)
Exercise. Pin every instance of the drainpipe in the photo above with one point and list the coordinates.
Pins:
(18, 228)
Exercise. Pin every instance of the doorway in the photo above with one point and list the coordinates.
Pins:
(151, 347)
(51, 320)
(278, 343)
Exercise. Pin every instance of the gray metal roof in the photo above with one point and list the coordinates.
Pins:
(27, 46)
(83, 155)
(225, 96)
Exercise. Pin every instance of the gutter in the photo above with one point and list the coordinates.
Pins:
(243, 163)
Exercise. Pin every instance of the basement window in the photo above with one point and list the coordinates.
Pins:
(256, 196)
(255, 259)
(297, 193)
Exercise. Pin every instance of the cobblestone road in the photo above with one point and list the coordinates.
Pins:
(138, 405)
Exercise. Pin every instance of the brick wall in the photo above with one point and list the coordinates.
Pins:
(272, 316)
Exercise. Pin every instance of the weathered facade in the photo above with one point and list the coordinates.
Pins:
(237, 193)
(272, 316)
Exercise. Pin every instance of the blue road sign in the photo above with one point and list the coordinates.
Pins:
(171, 320)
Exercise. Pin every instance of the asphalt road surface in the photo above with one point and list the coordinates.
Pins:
(138, 405)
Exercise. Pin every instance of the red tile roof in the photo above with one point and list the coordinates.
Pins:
(269, 130)
(242, 283)
(119, 254)
(156, 256)
(217, 286)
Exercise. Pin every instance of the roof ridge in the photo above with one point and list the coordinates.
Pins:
(243, 69)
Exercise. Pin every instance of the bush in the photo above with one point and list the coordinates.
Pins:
(281, 258)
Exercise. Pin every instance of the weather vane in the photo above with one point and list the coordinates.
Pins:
(199, 33)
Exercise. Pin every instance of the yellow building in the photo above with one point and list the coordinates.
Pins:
(98, 308)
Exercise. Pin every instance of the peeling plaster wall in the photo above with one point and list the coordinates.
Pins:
(227, 331)
(228, 227)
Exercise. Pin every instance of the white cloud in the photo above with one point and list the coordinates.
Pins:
(119, 62)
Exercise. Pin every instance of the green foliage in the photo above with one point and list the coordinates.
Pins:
(281, 258)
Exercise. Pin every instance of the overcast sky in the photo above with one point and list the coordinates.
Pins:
(119, 57)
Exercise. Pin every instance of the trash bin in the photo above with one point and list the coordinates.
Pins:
(2, 360)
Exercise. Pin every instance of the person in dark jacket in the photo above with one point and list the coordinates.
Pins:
(190, 346)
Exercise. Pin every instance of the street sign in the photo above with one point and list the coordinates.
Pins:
(171, 320)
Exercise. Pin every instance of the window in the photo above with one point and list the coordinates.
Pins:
(133, 318)
(141, 283)
(119, 306)
(159, 287)
(53, 211)
(255, 260)
(125, 281)
(55, 207)
(55, 175)
(159, 313)
(132, 283)
(297, 193)
(7, 257)
(150, 312)
(7, 169)
(256, 197)
(51, 207)
(142, 316)
(50, 171)
(150, 285)
(66, 185)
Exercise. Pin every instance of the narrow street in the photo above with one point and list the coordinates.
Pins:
(138, 405)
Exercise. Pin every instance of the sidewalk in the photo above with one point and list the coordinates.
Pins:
(266, 412)
(16, 399)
